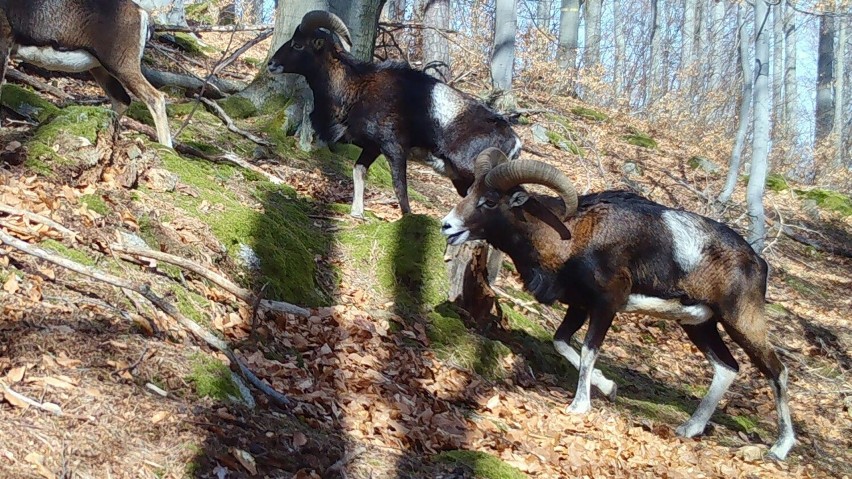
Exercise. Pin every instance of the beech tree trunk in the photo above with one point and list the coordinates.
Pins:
(543, 13)
(436, 49)
(503, 55)
(592, 46)
(655, 76)
(839, 92)
(777, 70)
(760, 128)
(824, 116)
(165, 12)
(790, 84)
(745, 106)
(569, 28)
(687, 55)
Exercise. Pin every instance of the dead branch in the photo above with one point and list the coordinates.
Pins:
(223, 282)
(11, 210)
(193, 86)
(210, 28)
(15, 75)
(161, 304)
(232, 158)
(47, 406)
(239, 51)
(229, 122)
(391, 26)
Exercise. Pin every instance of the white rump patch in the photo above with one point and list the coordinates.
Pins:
(73, 61)
(688, 238)
(446, 104)
(668, 309)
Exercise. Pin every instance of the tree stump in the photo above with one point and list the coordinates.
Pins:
(468, 267)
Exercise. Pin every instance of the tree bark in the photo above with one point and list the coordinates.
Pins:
(503, 55)
(824, 117)
(620, 60)
(745, 105)
(777, 70)
(436, 49)
(790, 84)
(166, 12)
(717, 20)
(687, 56)
(760, 128)
(653, 85)
(569, 28)
(839, 91)
(543, 14)
(592, 47)
(470, 287)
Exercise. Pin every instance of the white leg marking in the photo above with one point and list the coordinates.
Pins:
(604, 385)
(143, 34)
(358, 174)
(722, 379)
(786, 436)
(688, 237)
(668, 308)
(582, 402)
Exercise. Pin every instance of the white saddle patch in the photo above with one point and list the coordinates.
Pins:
(446, 104)
(668, 309)
(73, 61)
(688, 237)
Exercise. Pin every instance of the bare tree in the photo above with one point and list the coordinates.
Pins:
(777, 70)
(824, 116)
(436, 49)
(168, 12)
(654, 87)
(620, 59)
(839, 63)
(745, 106)
(569, 28)
(394, 10)
(688, 50)
(760, 127)
(592, 40)
(503, 55)
(543, 14)
(790, 83)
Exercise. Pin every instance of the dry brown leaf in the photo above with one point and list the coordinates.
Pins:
(245, 459)
(16, 374)
(299, 439)
(62, 382)
(11, 285)
(14, 401)
(159, 416)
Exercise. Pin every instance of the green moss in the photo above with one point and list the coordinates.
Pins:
(638, 138)
(238, 107)
(253, 61)
(188, 43)
(69, 253)
(453, 342)
(27, 103)
(211, 378)
(589, 114)
(279, 232)
(656, 410)
(191, 304)
(82, 121)
(830, 200)
(777, 182)
(561, 121)
(481, 464)
(747, 423)
(775, 309)
(804, 287)
(563, 143)
(201, 12)
(96, 203)
(405, 257)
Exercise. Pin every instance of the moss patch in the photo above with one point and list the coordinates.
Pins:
(69, 253)
(638, 138)
(211, 378)
(589, 114)
(776, 182)
(95, 203)
(238, 107)
(563, 143)
(73, 121)
(804, 287)
(453, 342)
(481, 464)
(202, 12)
(406, 258)
(830, 200)
(27, 103)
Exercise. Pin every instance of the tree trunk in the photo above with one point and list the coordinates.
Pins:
(687, 56)
(824, 117)
(503, 55)
(543, 14)
(362, 19)
(777, 70)
(569, 28)
(592, 41)
(760, 128)
(436, 49)
(716, 60)
(704, 44)
(653, 88)
(620, 60)
(394, 10)
(469, 279)
(790, 84)
(839, 91)
(745, 104)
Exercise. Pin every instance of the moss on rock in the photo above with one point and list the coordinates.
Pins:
(212, 379)
(641, 139)
(238, 107)
(589, 114)
(830, 200)
(27, 103)
(83, 122)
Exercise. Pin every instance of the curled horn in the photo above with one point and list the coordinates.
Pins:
(322, 19)
(506, 176)
(487, 160)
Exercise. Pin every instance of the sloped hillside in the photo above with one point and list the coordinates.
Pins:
(384, 378)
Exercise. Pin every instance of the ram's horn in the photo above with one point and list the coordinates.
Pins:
(506, 176)
(322, 19)
(487, 160)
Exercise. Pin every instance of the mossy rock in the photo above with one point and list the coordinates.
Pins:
(638, 138)
(72, 124)
(26, 103)
(202, 12)
(405, 257)
(563, 143)
(454, 343)
(481, 464)
(702, 163)
(829, 200)
(589, 114)
(777, 182)
(238, 107)
(211, 378)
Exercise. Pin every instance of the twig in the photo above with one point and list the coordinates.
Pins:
(37, 84)
(210, 28)
(132, 366)
(161, 304)
(230, 122)
(50, 407)
(11, 210)
(239, 51)
(225, 283)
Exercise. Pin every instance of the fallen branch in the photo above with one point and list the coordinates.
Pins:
(161, 304)
(15, 75)
(232, 158)
(11, 210)
(218, 111)
(210, 28)
(817, 245)
(193, 86)
(223, 282)
(47, 406)
(239, 51)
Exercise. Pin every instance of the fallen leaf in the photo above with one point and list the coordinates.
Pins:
(246, 459)
(11, 285)
(493, 402)
(159, 416)
(13, 400)
(62, 382)
(299, 439)
(16, 374)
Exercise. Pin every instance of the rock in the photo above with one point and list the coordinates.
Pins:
(750, 453)
(539, 133)
(703, 164)
(810, 208)
(248, 258)
(77, 149)
(133, 152)
(631, 169)
(847, 405)
(161, 180)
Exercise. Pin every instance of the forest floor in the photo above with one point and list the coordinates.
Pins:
(386, 380)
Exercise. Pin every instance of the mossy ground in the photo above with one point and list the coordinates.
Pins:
(81, 121)
(589, 113)
(26, 102)
(454, 343)
(641, 139)
(67, 252)
(482, 465)
(211, 378)
(830, 200)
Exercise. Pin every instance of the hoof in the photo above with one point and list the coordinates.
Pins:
(613, 393)
(688, 430)
(578, 408)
